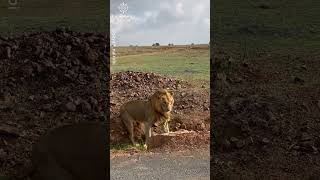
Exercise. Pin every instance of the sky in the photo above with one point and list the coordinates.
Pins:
(144, 22)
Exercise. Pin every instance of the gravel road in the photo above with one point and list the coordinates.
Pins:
(178, 166)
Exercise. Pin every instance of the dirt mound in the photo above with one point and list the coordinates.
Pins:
(48, 79)
(265, 122)
(191, 108)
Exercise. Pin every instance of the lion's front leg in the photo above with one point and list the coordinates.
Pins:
(166, 127)
(148, 133)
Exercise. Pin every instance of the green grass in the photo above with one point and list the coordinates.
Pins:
(124, 147)
(36, 15)
(285, 26)
(192, 65)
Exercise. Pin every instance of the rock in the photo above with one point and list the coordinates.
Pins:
(68, 49)
(45, 97)
(102, 117)
(261, 123)
(3, 154)
(240, 144)
(298, 80)
(270, 116)
(70, 106)
(234, 139)
(47, 107)
(183, 126)
(77, 101)
(37, 67)
(91, 56)
(276, 130)
(226, 144)
(265, 141)
(31, 98)
(93, 101)
(304, 67)
(201, 126)
(8, 131)
(235, 103)
(9, 54)
(85, 106)
(305, 137)
(245, 128)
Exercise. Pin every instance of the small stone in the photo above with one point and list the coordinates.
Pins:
(70, 106)
(45, 97)
(298, 80)
(47, 107)
(265, 141)
(102, 117)
(91, 56)
(3, 154)
(226, 144)
(234, 139)
(9, 55)
(8, 130)
(93, 101)
(31, 98)
(305, 137)
(276, 130)
(68, 49)
(49, 64)
(85, 106)
(201, 126)
(77, 101)
(240, 144)
(41, 114)
(178, 125)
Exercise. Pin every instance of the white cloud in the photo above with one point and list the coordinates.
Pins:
(167, 21)
(179, 9)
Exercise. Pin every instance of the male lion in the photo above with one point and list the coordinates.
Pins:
(157, 108)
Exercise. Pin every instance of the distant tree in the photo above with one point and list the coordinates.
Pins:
(192, 44)
(157, 44)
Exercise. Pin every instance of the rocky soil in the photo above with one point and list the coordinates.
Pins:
(48, 79)
(266, 118)
(191, 107)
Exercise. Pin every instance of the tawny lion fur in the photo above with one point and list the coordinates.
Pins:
(156, 109)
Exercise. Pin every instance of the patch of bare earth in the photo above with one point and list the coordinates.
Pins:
(190, 122)
(48, 79)
(267, 116)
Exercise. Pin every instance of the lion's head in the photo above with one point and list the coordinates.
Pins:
(162, 101)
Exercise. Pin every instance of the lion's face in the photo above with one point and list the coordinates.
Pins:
(164, 101)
